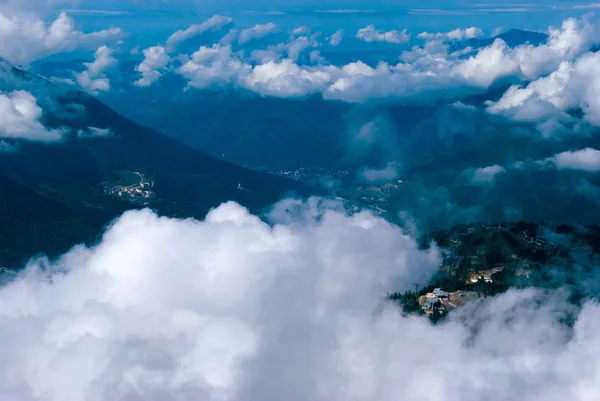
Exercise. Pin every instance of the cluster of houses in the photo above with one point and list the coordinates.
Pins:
(537, 241)
(433, 300)
(440, 300)
(131, 192)
(138, 192)
(485, 275)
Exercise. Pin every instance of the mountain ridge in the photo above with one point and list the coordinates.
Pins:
(52, 194)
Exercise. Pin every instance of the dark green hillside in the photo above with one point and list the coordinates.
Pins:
(52, 195)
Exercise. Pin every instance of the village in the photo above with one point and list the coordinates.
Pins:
(132, 186)
(441, 301)
(480, 260)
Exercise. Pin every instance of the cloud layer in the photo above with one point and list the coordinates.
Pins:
(231, 308)
(428, 73)
(371, 34)
(24, 39)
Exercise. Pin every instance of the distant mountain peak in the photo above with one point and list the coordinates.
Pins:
(513, 38)
(14, 78)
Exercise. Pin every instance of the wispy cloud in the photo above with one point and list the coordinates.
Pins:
(347, 11)
(587, 6)
(471, 11)
(76, 11)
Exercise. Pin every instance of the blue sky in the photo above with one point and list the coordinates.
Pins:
(153, 20)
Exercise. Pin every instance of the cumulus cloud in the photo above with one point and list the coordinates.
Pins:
(93, 79)
(425, 74)
(229, 37)
(233, 309)
(214, 324)
(484, 175)
(455, 34)
(157, 58)
(95, 132)
(469, 33)
(215, 22)
(295, 48)
(387, 173)
(336, 38)
(371, 34)
(258, 31)
(316, 58)
(25, 39)
(301, 30)
(211, 65)
(587, 159)
(574, 85)
(462, 106)
(20, 118)
(285, 79)
(155, 61)
(217, 65)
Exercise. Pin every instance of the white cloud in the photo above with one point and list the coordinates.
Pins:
(258, 31)
(233, 309)
(285, 79)
(215, 23)
(455, 34)
(573, 85)
(26, 39)
(387, 173)
(94, 132)
(292, 49)
(316, 58)
(297, 46)
(301, 30)
(484, 175)
(62, 81)
(426, 74)
(587, 6)
(212, 65)
(473, 32)
(587, 159)
(92, 12)
(20, 118)
(212, 310)
(217, 65)
(462, 106)
(370, 34)
(460, 34)
(93, 79)
(336, 38)
(155, 61)
(229, 37)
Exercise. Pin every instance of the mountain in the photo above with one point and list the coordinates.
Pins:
(513, 37)
(53, 194)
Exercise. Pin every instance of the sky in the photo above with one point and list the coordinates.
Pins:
(161, 16)
(290, 305)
